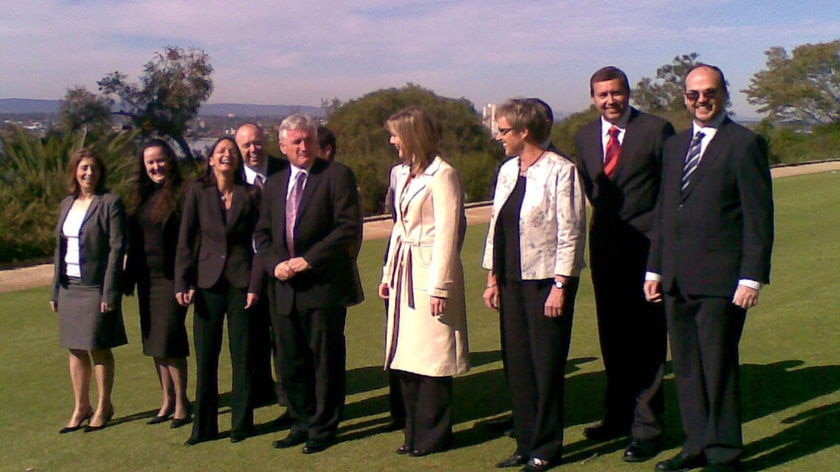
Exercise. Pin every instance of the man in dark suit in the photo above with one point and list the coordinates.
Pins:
(619, 157)
(256, 171)
(709, 258)
(308, 237)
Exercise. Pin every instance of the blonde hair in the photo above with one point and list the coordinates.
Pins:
(419, 134)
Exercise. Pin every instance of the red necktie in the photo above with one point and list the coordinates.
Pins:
(612, 152)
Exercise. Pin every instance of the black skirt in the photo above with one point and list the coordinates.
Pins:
(162, 319)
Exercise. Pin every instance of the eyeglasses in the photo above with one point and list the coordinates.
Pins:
(504, 131)
(694, 95)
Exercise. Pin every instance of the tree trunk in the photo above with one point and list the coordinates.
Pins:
(185, 148)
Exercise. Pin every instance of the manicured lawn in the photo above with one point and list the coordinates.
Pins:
(790, 354)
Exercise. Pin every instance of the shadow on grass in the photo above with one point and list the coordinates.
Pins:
(775, 387)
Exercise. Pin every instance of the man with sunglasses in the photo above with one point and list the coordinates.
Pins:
(710, 256)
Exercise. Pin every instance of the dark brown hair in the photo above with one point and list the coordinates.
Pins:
(608, 73)
(143, 186)
(73, 164)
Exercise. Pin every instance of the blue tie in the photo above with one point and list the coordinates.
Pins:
(691, 160)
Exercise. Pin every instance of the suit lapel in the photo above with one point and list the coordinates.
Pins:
(239, 196)
(62, 212)
(594, 157)
(312, 181)
(92, 208)
(420, 188)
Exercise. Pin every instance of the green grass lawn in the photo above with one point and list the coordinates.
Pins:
(790, 355)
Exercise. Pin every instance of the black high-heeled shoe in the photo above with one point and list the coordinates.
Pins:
(78, 426)
(162, 418)
(178, 422)
(91, 429)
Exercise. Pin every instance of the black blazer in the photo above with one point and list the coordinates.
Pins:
(328, 235)
(208, 248)
(103, 246)
(630, 196)
(721, 229)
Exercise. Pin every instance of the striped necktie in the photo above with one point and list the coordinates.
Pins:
(692, 160)
(612, 152)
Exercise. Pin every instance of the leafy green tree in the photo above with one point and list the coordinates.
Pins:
(83, 110)
(563, 132)
(359, 126)
(802, 88)
(665, 92)
(173, 86)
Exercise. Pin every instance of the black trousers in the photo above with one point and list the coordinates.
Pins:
(266, 391)
(704, 334)
(396, 405)
(428, 411)
(312, 355)
(536, 348)
(211, 306)
(631, 331)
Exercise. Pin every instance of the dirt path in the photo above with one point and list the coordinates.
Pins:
(41, 275)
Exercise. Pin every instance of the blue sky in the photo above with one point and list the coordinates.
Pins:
(282, 52)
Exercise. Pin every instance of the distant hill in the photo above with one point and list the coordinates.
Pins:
(26, 105)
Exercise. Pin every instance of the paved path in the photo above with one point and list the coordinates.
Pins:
(41, 275)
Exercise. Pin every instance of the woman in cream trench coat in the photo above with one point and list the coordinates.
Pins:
(426, 338)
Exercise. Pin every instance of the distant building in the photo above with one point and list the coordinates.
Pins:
(488, 117)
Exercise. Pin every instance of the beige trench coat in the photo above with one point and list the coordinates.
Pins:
(424, 260)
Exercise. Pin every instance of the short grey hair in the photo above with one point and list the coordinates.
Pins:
(297, 121)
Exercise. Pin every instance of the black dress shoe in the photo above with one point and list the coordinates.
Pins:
(404, 449)
(314, 446)
(640, 450)
(721, 467)
(535, 464)
(515, 460)
(179, 422)
(293, 439)
(681, 462)
(158, 419)
(91, 429)
(605, 432)
(78, 426)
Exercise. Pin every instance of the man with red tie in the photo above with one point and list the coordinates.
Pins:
(619, 157)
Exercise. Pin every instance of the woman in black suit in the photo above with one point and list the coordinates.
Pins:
(214, 268)
(89, 251)
(154, 219)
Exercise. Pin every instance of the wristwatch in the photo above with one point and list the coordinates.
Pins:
(559, 284)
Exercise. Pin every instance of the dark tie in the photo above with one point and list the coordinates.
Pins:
(259, 181)
(612, 152)
(692, 159)
(292, 207)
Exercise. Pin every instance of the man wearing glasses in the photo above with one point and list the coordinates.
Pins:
(710, 255)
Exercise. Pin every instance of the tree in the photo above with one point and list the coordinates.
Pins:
(363, 144)
(665, 93)
(81, 110)
(803, 88)
(173, 86)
